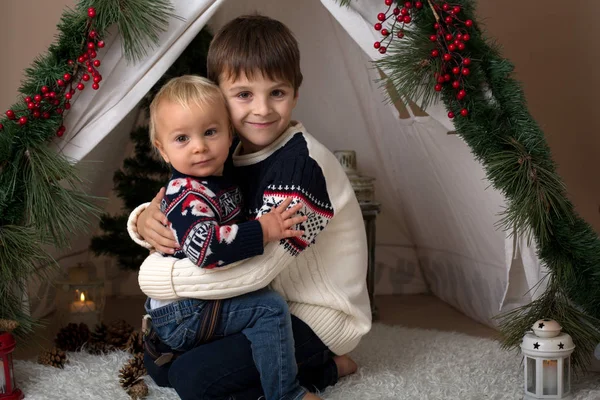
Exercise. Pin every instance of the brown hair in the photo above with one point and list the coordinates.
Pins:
(186, 90)
(251, 44)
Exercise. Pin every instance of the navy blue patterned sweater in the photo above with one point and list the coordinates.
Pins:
(206, 216)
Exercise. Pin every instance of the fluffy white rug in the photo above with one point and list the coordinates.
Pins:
(395, 363)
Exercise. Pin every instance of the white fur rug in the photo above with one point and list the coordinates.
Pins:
(395, 363)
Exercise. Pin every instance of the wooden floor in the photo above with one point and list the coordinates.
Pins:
(414, 311)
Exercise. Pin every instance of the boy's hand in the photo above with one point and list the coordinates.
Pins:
(277, 223)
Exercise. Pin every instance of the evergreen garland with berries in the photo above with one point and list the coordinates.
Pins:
(42, 200)
(434, 50)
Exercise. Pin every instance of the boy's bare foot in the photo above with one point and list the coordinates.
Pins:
(345, 365)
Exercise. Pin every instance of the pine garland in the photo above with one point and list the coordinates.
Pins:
(42, 198)
(510, 145)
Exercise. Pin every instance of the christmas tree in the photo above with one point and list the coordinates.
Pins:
(143, 174)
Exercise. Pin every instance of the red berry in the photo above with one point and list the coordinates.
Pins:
(378, 26)
(462, 94)
(461, 46)
(28, 99)
(404, 11)
(467, 61)
(46, 115)
(36, 114)
(22, 121)
(456, 70)
(37, 98)
(400, 34)
(101, 44)
(440, 79)
(447, 57)
(468, 23)
(91, 12)
(97, 79)
(445, 7)
(433, 38)
(93, 34)
(45, 89)
(448, 37)
(465, 71)
(376, 45)
(408, 4)
(396, 11)
(31, 106)
(381, 16)
(91, 45)
(447, 77)
(80, 86)
(448, 19)
(95, 86)
(85, 77)
(67, 77)
(56, 102)
(385, 32)
(456, 9)
(60, 83)
(52, 95)
(436, 26)
(459, 36)
(407, 19)
(90, 69)
(10, 114)
(67, 105)
(456, 84)
(1, 127)
(59, 111)
(450, 115)
(388, 2)
(92, 53)
(80, 59)
(438, 88)
(464, 112)
(97, 63)
(70, 62)
(382, 49)
(419, 4)
(466, 37)
(68, 96)
(452, 47)
(435, 53)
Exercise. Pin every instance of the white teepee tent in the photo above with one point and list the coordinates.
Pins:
(437, 228)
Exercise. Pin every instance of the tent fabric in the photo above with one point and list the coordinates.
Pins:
(436, 231)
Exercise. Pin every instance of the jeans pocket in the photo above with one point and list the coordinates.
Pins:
(184, 336)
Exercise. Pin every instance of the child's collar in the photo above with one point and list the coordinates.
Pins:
(253, 158)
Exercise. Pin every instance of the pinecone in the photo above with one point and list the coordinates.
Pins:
(135, 343)
(100, 333)
(132, 371)
(138, 391)
(72, 337)
(53, 357)
(118, 334)
(98, 348)
(8, 325)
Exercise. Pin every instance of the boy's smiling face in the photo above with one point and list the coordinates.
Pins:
(260, 108)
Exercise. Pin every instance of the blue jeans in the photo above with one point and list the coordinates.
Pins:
(262, 316)
(224, 368)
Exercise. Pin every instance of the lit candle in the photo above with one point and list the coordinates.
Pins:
(83, 306)
(550, 370)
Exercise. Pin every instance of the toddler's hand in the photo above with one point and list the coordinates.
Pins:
(277, 223)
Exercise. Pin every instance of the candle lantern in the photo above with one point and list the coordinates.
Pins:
(364, 190)
(8, 390)
(80, 299)
(547, 356)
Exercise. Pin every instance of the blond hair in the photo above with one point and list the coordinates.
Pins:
(186, 90)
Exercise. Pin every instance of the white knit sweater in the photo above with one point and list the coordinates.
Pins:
(325, 285)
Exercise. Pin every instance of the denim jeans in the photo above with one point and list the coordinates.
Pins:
(262, 316)
(224, 369)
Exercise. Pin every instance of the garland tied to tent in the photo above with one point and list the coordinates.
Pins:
(434, 50)
(42, 202)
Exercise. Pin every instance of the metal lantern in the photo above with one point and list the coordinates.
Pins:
(8, 390)
(80, 299)
(547, 366)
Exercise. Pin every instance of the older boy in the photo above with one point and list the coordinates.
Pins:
(256, 62)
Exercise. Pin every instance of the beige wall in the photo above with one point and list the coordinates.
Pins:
(552, 46)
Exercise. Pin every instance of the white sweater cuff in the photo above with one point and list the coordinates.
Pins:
(156, 277)
(132, 226)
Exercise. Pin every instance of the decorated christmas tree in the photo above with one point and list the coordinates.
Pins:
(143, 174)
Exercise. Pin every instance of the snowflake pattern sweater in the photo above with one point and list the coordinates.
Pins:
(322, 275)
(205, 215)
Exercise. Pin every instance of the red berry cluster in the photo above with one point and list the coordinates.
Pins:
(50, 98)
(450, 39)
(401, 17)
